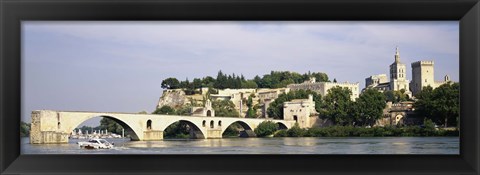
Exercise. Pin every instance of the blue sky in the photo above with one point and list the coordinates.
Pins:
(119, 66)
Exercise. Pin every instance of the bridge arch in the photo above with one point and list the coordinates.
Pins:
(133, 131)
(195, 131)
(248, 128)
(281, 126)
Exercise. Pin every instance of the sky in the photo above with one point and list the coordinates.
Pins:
(119, 66)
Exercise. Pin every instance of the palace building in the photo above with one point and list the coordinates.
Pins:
(422, 76)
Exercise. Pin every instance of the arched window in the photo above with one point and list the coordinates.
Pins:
(295, 118)
(219, 123)
(58, 120)
(211, 124)
(209, 113)
(204, 123)
(149, 124)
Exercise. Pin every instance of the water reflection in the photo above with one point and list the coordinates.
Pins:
(308, 145)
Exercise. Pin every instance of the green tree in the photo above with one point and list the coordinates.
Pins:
(170, 83)
(224, 108)
(337, 105)
(429, 127)
(250, 84)
(177, 130)
(296, 131)
(368, 107)
(251, 112)
(447, 104)
(184, 110)
(110, 125)
(208, 81)
(24, 129)
(164, 110)
(395, 96)
(266, 128)
(197, 83)
(221, 81)
(424, 104)
(441, 105)
(320, 76)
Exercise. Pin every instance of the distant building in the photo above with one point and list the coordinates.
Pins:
(237, 96)
(423, 76)
(398, 78)
(267, 96)
(379, 82)
(323, 87)
(301, 110)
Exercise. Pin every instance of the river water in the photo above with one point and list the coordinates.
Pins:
(290, 145)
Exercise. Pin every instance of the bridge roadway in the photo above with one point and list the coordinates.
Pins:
(50, 126)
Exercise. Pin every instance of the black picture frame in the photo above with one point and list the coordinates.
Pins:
(14, 11)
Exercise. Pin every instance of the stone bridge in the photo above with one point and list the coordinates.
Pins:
(55, 126)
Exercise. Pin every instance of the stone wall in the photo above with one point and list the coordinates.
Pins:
(323, 87)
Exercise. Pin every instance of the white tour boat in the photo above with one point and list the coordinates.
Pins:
(96, 144)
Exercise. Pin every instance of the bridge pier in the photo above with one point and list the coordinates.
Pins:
(45, 137)
(44, 128)
(214, 134)
(152, 135)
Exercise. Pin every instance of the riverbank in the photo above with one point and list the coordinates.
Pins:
(350, 131)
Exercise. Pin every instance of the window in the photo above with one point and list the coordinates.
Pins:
(219, 123)
(211, 124)
(149, 124)
(204, 123)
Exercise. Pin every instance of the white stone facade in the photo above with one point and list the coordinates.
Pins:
(300, 110)
(323, 87)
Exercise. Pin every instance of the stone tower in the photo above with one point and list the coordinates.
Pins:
(398, 79)
(422, 76)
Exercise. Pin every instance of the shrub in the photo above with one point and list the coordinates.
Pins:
(281, 133)
(350, 131)
(296, 131)
(266, 128)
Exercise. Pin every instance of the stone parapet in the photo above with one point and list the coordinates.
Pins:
(423, 63)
